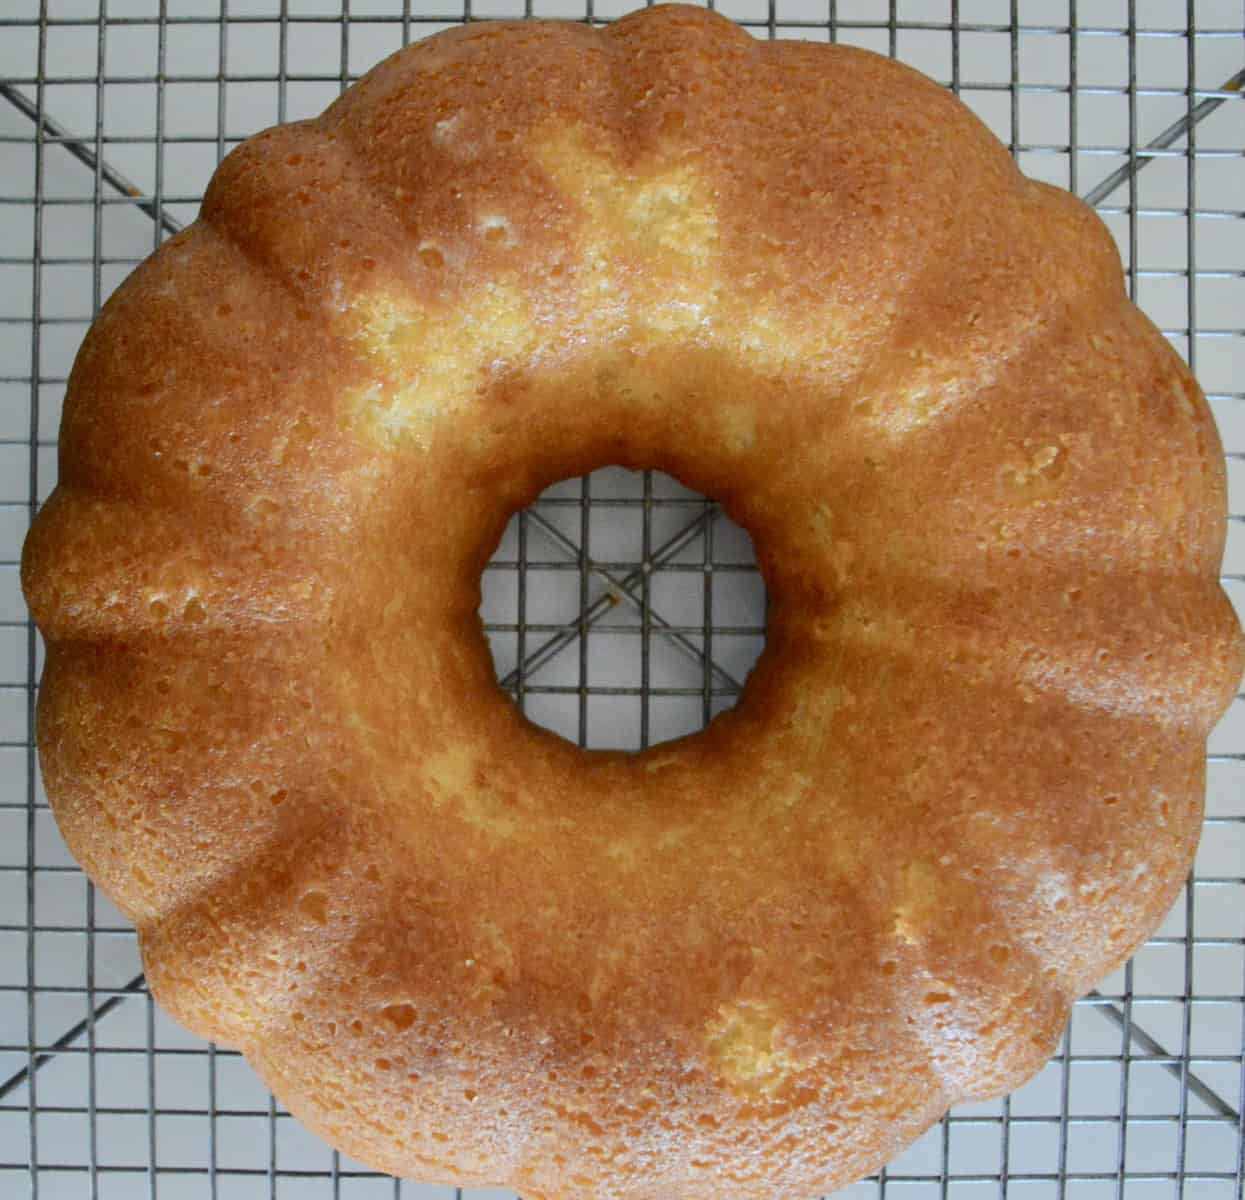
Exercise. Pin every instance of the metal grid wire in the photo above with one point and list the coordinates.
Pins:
(113, 114)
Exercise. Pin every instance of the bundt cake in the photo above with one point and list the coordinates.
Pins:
(964, 780)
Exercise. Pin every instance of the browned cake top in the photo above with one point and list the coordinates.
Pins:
(964, 780)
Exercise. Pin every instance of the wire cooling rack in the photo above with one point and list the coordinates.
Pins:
(622, 608)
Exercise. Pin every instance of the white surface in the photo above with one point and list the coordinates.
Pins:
(143, 1062)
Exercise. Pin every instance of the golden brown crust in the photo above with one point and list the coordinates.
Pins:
(965, 778)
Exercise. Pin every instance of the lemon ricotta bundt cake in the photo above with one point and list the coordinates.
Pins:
(964, 780)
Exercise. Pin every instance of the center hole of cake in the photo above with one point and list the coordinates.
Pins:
(623, 610)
